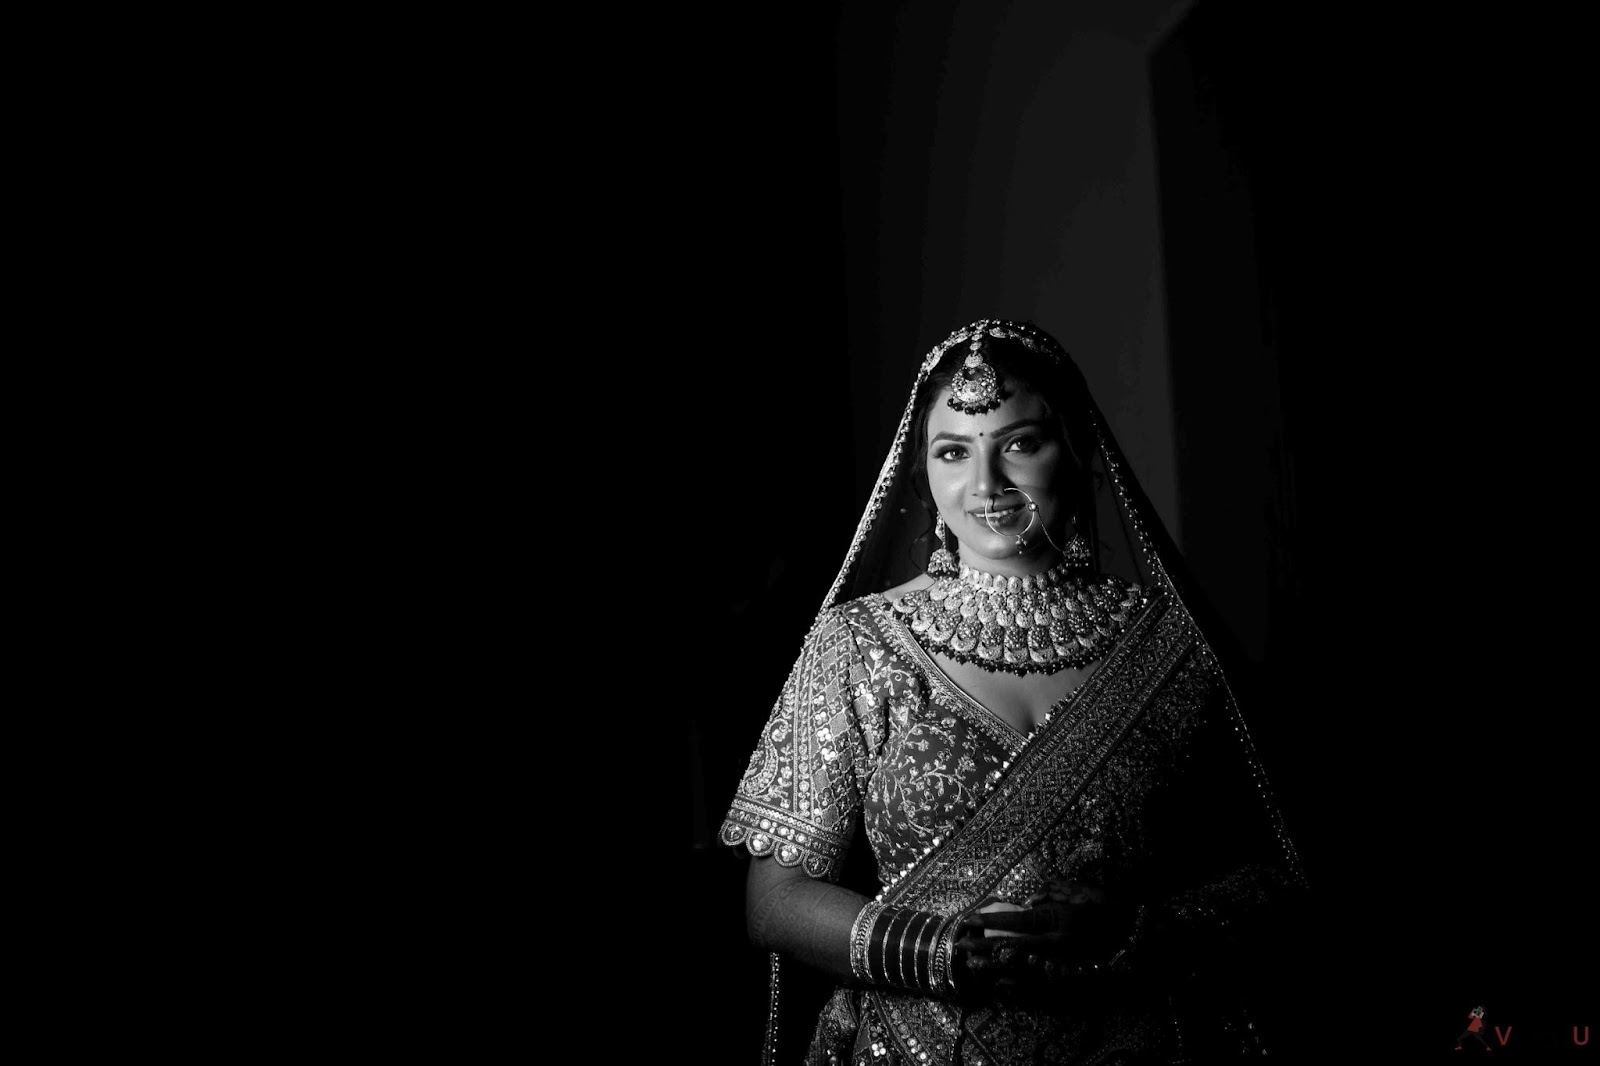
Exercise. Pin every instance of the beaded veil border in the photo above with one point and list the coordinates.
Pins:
(1128, 535)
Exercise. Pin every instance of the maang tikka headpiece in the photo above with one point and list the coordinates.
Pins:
(977, 387)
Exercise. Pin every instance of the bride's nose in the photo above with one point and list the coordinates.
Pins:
(986, 479)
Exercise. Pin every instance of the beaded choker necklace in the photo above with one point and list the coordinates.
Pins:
(1036, 624)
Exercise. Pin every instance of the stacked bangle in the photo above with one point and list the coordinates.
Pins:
(898, 947)
(941, 972)
(860, 937)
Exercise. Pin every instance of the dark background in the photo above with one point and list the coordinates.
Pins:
(1310, 265)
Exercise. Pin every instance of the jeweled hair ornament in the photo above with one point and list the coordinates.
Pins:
(977, 387)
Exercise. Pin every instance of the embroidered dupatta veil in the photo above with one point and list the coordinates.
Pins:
(1145, 776)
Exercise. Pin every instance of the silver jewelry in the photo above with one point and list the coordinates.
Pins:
(1034, 518)
(901, 944)
(1077, 553)
(905, 934)
(942, 562)
(977, 387)
(1036, 624)
(861, 939)
(941, 976)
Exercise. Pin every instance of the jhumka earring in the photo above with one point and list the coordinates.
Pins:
(1077, 553)
(942, 562)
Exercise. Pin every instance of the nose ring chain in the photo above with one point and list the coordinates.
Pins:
(1034, 518)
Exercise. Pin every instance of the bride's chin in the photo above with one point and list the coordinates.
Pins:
(1002, 547)
(997, 546)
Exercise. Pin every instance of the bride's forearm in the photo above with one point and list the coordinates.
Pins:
(788, 911)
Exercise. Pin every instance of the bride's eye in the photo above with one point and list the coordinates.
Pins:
(1024, 444)
(949, 454)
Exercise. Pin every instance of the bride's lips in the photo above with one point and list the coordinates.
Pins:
(999, 516)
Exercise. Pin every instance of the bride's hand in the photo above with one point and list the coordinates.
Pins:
(1067, 932)
(998, 906)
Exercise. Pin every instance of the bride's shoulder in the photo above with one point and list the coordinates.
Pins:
(862, 605)
(921, 581)
(863, 616)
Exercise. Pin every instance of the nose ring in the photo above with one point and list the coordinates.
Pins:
(1033, 516)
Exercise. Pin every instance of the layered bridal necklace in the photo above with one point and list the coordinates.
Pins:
(1021, 625)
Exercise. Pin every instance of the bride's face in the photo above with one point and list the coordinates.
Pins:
(974, 459)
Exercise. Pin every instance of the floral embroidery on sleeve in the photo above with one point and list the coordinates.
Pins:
(798, 799)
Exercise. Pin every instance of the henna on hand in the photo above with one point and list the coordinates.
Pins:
(1064, 938)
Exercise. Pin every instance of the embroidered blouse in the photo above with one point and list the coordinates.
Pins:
(1142, 783)
(869, 731)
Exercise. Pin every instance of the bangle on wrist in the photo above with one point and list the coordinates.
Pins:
(898, 947)
(941, 967)
(884, 960)
(861, 939)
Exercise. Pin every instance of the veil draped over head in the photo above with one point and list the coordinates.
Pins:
(1096, 501)
(895, 535)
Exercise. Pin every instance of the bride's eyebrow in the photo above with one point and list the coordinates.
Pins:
(1019, 424)
(1002, 431)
